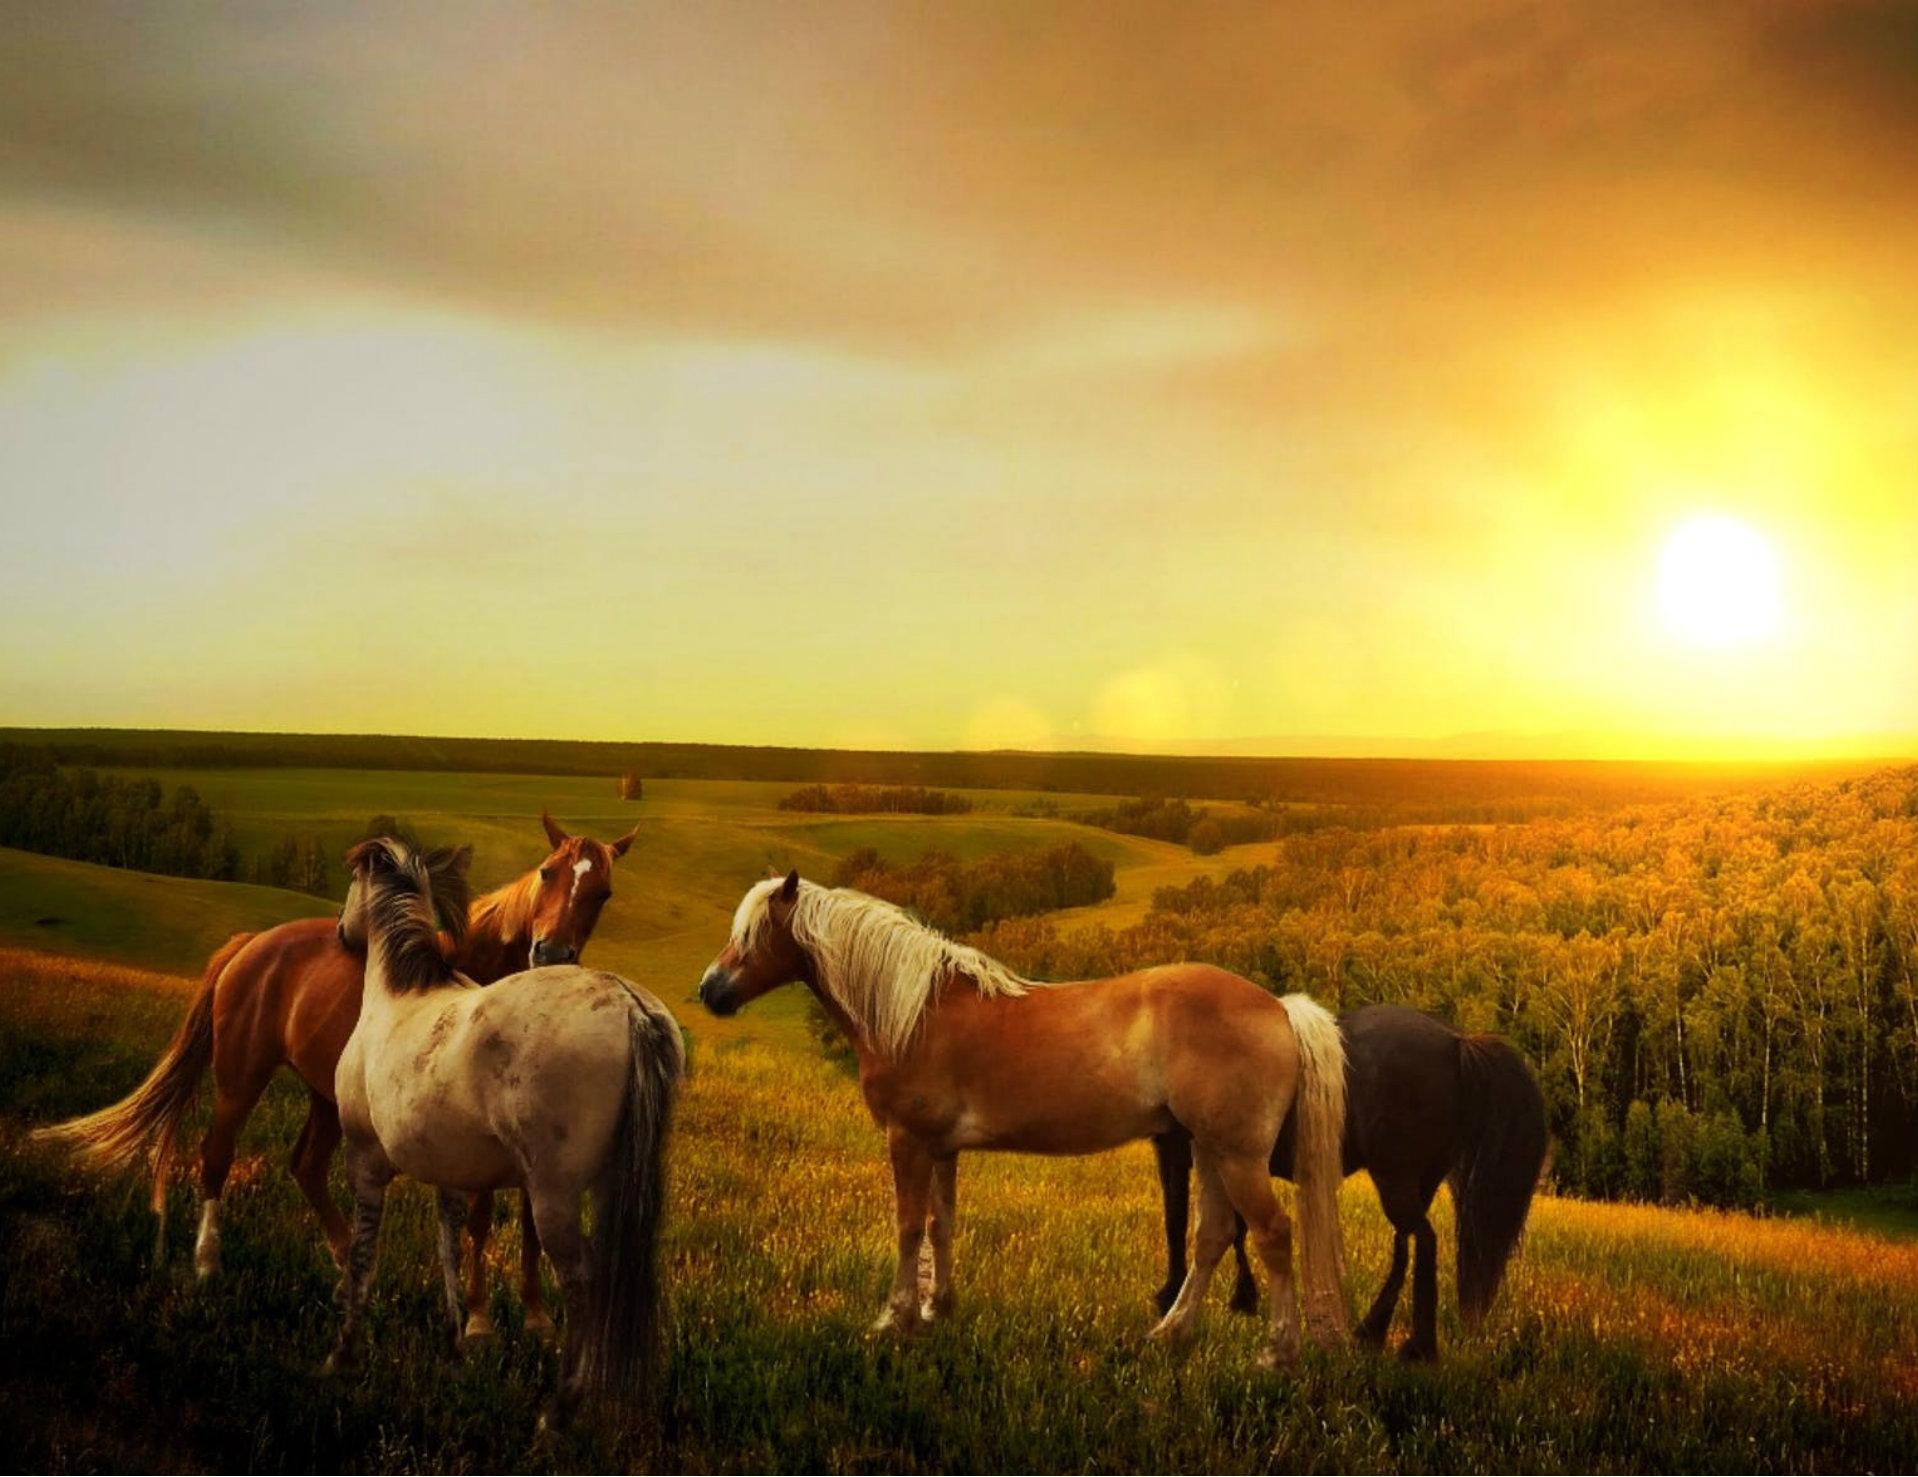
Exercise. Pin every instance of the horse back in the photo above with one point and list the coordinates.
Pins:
(291, 996)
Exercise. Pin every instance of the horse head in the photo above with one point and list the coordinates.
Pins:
(569, 889)
(761, 954)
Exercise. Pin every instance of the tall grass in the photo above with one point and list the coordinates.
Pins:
(1627, 1337)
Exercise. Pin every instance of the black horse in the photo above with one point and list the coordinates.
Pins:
(1423, 1104)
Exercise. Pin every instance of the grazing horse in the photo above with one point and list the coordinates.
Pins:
(956, 1052)
(289, 997)
(559, 1079)
(1424, 1104)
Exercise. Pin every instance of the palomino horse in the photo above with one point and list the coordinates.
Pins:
(956, 1052)
(289, 997)
(559, 1079)
(1424, 1105)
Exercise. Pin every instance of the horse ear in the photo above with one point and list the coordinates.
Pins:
(356, 856)
(553, 833)
(789, 890)
(618, 848)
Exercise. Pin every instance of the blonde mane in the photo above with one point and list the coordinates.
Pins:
(506, 911)
(877, 963)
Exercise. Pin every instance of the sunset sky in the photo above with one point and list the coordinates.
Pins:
(1322, 379)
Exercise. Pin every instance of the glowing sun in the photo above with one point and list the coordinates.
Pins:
(1718, 582)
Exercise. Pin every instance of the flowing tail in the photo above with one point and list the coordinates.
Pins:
(143, 1124)
(1318, 1162)
(622, 1330)
(1504, 1141)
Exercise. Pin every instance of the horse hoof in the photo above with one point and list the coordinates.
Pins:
(1169, 1332)
(1414, 1352)
(540, 1325)
(1245, 1303)
(936, 1309)
(1164, 1298)
(896, 1323)
(1274, 1357)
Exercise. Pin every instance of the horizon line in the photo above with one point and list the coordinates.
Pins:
(1455, 748)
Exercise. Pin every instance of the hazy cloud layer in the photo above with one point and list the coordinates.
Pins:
(1261, 330)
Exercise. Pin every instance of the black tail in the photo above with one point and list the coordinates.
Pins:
(622, 1336)
(1503, 1142)
(143, 1124)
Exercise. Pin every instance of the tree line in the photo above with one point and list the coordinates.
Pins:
(876, 800)
(957, 897)
(135, 823)
(1720, 995)
(110, 820)
(1202, 828)
(1415, 789)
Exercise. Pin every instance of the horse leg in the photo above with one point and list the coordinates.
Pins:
(1245, 1292)
(479, 1227)
(454, 1213)
(912, 1190)
(1214, 1236)
(1378, 1322)
(532, 1294)
(1174, 1153)
(556, 1212)
(1422, 1346)
(234, 1094)
(312, 1155)
(369, 1174)
(1248, 1183)
(945, 1208)
(1405, 1202)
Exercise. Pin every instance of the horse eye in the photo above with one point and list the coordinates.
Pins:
(547, 874)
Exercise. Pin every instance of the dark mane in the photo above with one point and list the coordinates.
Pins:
(396, 877)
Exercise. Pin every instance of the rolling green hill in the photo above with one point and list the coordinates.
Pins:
(700, 844)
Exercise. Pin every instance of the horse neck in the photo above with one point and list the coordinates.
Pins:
(498, 932)
(380, 1000)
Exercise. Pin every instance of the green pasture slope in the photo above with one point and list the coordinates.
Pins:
(700, 844)
(1627, 1339)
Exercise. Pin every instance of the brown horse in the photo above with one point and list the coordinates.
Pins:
(1425, 1105)
(956, 1052)
(289, 997)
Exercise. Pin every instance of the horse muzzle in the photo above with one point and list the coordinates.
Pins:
(552, 951)
(718, 993)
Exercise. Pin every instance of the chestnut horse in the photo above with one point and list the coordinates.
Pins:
(957, 1052)
(289, 997)
(1425, 1106)
(557, 1079)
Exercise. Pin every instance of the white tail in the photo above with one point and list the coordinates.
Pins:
(1318, 1163)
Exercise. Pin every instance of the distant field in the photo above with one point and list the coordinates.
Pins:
(1463, 789)
(1628, 1338)
(700, 845)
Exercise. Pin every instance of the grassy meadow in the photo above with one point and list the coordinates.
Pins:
(1627, 1338)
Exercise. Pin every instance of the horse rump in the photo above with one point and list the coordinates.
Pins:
(620, 1351)
(1503, 1141)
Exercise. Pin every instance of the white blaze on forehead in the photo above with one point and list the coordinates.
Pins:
(580, 869)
